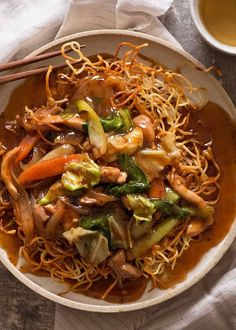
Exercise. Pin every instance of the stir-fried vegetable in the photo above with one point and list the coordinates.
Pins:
(123, 144)
(57, 190)
(118, 230)
(120, 122)
(26, 145)
(152, 162)
(137, 181)
(91, 245)
(140, 228)
(157, 188)
(82, 174)
(154, 236)
(171, 195)
(111, 222)
(48, 168)
(98, 222)
(143, 208)
(96, 133)
(60, 151)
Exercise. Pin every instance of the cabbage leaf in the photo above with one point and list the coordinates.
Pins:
(91, 245)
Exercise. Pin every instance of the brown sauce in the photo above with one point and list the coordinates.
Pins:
(217, 124)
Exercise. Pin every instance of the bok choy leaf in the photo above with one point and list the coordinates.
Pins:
(137, 181)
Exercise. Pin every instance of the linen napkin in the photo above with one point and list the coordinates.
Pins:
(28, 24)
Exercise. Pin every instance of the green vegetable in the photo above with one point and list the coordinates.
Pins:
(96, 133)
(137, 181)
(111, 222)
(171, 195)
(127, 120)
(140, 228)
(91, 245)
(146, 242)
(79, 175)
(56, 190)
(119, 231)
(112, 123)
(120, 121)
(98, 222)
(143, 208)
(169, 208)
(204, 213)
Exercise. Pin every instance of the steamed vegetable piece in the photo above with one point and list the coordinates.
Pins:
(118, 230)
(123, 143)
(137, 181)
(83, 174)
(97, 222)
(143, 208)
(152, 162)
(139, 228)
(48, 168)
(62, 150)
(146, 242)
(171, 195)
(157, 188)
(120, 121)
(26, 145)
(91, 245)
(55, 191)
(96, 133)
(111, 222)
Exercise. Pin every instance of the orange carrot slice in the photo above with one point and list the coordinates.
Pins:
(157, 189)
(48, 168)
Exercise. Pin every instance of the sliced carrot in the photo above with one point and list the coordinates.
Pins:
(157, 189)
(48, 168)
(26, 145)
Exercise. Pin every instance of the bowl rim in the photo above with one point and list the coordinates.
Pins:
(210, 39)
(176, 291)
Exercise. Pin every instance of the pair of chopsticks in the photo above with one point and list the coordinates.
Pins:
(25, 74)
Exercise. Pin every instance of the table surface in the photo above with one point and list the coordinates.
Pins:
(23, 309)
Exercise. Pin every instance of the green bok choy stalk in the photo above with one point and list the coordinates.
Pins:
(96, 132)
(154, 236)
(143, 208)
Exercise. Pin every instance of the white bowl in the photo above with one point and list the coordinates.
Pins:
(194, 7)
(105, 41)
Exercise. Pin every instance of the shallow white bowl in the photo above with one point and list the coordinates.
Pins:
(105, 41)
(194, 8)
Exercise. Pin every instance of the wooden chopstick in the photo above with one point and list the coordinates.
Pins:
(25, 74)
(16, 64)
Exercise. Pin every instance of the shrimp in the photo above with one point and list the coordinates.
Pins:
(195, 227)
(178, 184)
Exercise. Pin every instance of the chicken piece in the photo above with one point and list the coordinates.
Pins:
(148, 129)
(112, 174)
(178, 184)
(122, 268)
(51, 208)
(40, 213)
(195, 227)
